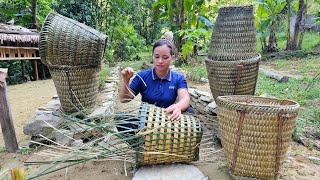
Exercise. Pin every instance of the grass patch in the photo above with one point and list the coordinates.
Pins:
(295, 89)
(104, 73)
(2, 149)
(310, 41)
(305, 91)
(196, 71)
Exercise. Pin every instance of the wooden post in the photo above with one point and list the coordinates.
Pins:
(6, 122)
(35, 70)
(22, 70)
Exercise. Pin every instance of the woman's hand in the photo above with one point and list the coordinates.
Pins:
(127, 73)
(175, 111)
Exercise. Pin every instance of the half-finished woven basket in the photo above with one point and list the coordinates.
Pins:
(255, 133)
(73, 53)
(166, 141)
(234, 35)
(233, 77)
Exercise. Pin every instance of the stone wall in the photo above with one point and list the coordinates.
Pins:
(206, 109)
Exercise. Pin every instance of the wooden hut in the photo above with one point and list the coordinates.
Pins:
(19, 43)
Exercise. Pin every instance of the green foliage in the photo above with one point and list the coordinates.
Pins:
(269, 18)
(15, 73)
(127, 43)
(195, 72)
(20, 11)
(193, 37)
(83, 11)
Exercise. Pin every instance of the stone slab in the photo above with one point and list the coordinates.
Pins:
(169, 172)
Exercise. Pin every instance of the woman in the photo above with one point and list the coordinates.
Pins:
(159, 85)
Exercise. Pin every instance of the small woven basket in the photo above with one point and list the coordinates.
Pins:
(234, 36)
(73, 53)
(166, 141)
(233, 77)
(255, 133)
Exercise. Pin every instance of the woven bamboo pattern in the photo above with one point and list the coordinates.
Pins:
(76, 92)
(255, 133)
(233, 77)
(73, 53)
(64, 41)
(168, 141)
(234, 35)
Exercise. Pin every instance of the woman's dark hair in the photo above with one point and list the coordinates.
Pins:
(162, 42)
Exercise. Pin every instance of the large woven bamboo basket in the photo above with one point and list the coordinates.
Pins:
(64, 41)
(233, 77)
(255, 133)
(166, 141)
(234, 35)
(73, 53)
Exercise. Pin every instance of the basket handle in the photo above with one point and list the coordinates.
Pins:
(282, 117)
(240, 67)
(238, 133)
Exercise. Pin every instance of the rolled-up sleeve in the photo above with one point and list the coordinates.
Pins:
(182, 82)
(136, 85)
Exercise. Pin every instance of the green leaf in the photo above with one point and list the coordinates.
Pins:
(187, 48)
(262, 13)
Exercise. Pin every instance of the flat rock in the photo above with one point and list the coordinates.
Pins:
(213, 107)
(169, 172)
(100, 112)
(204, 80)
(202, 93)
(53, 104)
(206, 98)
(43, 123)
(193, 93)
(63, 137)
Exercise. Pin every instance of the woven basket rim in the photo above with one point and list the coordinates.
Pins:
(255, 58)
(76, 23)
(230, 99)
(232, 8)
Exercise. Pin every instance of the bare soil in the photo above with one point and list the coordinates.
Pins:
(26, 98)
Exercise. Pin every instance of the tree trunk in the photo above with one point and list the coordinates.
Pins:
(180, 25)
(289, 20)
(272, 43)
(34, 14)
(292, 45)
(302, 28)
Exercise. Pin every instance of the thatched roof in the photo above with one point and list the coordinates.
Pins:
(11, 35)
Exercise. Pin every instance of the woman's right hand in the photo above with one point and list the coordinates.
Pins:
(127, 73)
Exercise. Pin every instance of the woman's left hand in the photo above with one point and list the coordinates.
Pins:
(175, 112)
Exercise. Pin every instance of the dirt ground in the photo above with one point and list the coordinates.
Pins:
(26, 98)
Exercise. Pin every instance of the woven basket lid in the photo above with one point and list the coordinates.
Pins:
(234, 35)
(66, 42)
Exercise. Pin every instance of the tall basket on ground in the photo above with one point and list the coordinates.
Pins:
(232, 62)
(73, 53)
(255, 133)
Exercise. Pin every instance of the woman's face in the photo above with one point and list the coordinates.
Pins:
(162, 58)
